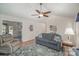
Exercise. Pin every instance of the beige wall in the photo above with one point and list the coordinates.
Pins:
(62, 23)
(40, 26)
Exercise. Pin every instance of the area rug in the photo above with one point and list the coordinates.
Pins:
(36, 50)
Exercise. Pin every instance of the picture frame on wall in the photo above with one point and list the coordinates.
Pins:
(53, 28)
(31, 27)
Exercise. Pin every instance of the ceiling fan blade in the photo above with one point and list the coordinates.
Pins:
(47, 12)
(34, 14)
(37, 11)
(45, 15)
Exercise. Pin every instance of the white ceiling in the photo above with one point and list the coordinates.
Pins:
(27, 9)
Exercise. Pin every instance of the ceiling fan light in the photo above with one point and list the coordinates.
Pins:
(40, 15)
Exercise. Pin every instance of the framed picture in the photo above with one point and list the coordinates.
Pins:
(31, 27)
(53, 28)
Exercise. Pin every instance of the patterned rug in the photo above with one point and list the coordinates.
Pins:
(36, 50)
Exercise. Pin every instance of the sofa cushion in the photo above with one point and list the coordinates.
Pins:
(48, 36)
(48, 41)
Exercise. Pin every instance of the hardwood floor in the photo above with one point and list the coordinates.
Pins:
(26, 43)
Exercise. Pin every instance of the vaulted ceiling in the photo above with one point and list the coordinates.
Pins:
(27, 9)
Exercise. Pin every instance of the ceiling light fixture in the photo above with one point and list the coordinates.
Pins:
(41, 13)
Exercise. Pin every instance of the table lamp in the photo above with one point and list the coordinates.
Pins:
(69, 31)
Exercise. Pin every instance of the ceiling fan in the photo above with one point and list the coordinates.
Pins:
(41, 13)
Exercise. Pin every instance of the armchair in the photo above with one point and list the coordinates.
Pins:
(8, 44)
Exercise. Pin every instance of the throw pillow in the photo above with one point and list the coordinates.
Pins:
(52, 36)
(57, 38)
(40, 35)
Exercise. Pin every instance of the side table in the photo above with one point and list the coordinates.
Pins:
(66, 45)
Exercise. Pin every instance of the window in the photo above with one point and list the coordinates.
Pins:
(11, 30)
(4, 29)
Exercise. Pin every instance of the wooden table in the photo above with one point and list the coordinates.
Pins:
(66, 45)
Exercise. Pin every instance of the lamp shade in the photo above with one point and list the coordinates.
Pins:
(69, 31)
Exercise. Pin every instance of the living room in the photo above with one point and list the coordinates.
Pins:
(61, 19)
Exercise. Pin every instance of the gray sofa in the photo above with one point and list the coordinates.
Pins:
(50, 40)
